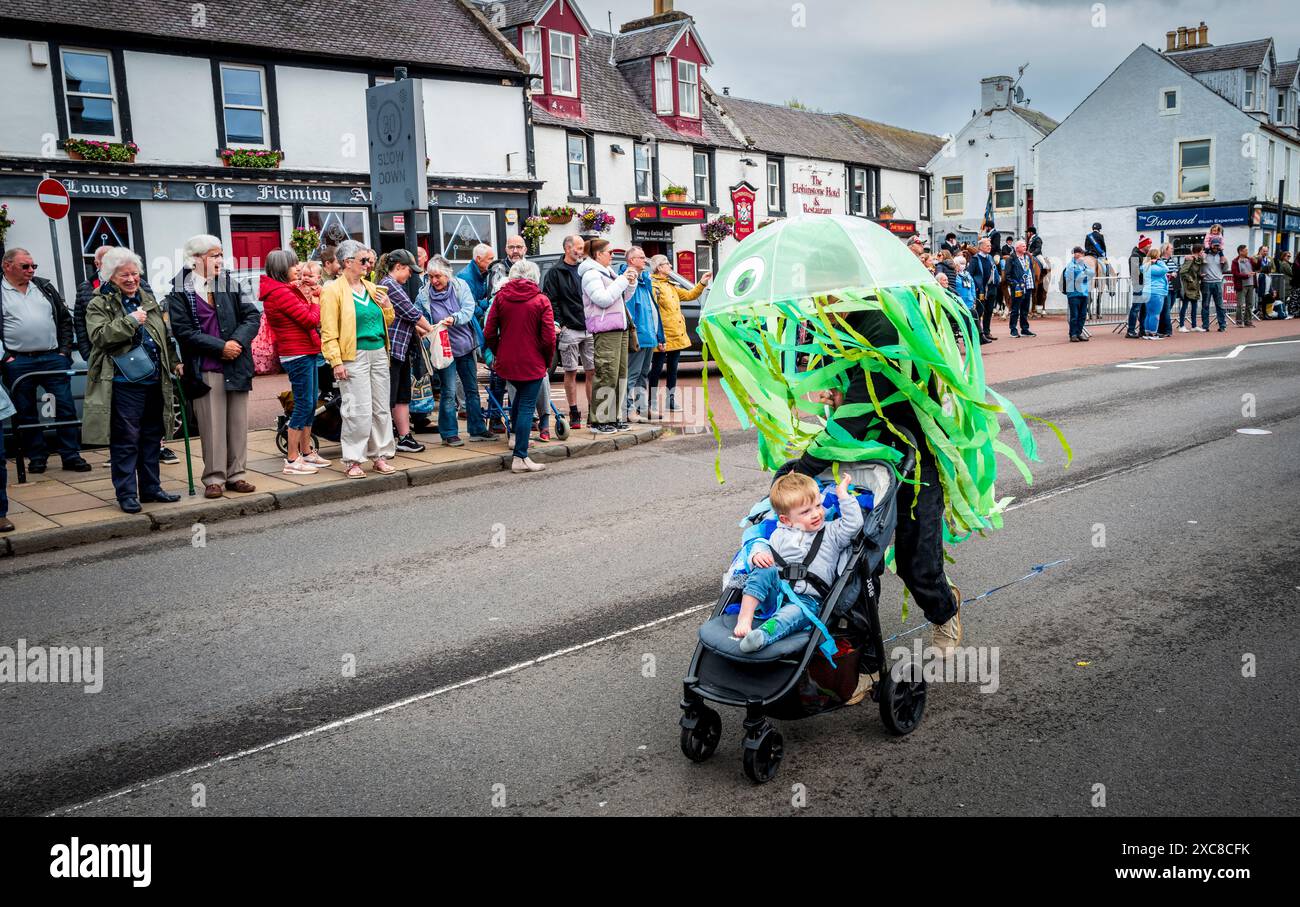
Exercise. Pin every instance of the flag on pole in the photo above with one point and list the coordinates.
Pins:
(987, 227)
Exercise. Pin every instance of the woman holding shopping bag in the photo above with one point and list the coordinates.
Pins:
(354, 319)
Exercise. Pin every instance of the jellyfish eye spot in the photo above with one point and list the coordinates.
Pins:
(745, 277)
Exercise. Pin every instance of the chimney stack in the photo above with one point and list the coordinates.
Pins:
(663, 6)
(1203, 36)
(1182, 37)
(1169, 40)
(995, 93)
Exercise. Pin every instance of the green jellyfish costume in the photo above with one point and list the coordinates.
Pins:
(811, 272)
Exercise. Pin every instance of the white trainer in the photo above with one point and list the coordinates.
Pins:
(298, 467)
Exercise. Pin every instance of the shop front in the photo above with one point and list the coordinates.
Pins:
(1248, 223)
(464, 216)
(672, 230)
(903, 229)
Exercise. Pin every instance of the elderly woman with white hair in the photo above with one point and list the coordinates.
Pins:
(520, 331)
(354, 319)
(215, 319)
(128, 384)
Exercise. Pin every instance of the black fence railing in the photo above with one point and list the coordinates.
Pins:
(20, 429)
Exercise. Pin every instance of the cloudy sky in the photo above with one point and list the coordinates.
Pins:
(919, 64)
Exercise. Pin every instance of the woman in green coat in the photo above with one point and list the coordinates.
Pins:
(128, 385)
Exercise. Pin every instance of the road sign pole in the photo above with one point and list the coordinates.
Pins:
(411, 236)
(58, 259)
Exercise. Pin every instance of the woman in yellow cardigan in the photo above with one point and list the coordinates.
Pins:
(670, 297)
(354, 319)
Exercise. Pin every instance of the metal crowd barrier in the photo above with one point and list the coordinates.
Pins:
(21, 460)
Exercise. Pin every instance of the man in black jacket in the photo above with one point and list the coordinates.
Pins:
(1094, 243)
(85, 292)
(36, 332)
(563, 288)
(984, 270)
(1034, 240)
(918, 539)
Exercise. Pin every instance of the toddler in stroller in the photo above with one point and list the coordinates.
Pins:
(837, 653)
(806, 548)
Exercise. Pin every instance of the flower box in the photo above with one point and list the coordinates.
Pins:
(108, 152)
(251, 157)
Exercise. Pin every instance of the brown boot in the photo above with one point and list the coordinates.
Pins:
(6, 525)
(212, 491)
(947, 635)
(865, 683)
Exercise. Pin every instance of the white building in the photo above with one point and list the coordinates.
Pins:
(1170, 143)
(993, 154)
(618, 118)
(244, 75)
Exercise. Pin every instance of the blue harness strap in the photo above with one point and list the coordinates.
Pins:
(827, 645)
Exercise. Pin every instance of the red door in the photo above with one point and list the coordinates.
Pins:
(1029, 208)
(250, 248)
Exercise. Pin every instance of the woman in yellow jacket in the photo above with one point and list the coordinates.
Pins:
(669, 296)
(354, 319)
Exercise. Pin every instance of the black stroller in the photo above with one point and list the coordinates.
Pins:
(327, 423)
(790, 678)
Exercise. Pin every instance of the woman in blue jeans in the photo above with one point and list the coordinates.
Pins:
(450, 303)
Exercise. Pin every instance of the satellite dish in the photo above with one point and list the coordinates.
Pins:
(1020, 95)
(1158, 198)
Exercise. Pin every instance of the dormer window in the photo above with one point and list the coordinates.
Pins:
(532, 41)
(688, 89)
(1250, 91)
(564, 80)
(664, 86)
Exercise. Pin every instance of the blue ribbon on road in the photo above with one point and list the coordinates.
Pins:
(1036, 570)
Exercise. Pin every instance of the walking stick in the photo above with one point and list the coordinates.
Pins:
(185, 428)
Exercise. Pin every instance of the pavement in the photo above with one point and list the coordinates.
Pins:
(57, 509)
(481, 647)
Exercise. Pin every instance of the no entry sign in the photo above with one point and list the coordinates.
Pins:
(52, 196)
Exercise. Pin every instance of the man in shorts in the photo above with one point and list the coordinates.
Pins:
(564, 288)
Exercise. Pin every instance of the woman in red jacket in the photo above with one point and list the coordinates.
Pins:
(520, 332)
(294, 323)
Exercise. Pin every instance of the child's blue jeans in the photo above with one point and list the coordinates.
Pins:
(765, 585)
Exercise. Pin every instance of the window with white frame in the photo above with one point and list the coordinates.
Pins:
(1169, 101)
(858, 192)
(1281, 108)
(775, 185)
(1269, 184)
(564, 78)
(642, 167)
(1194, 169)
(1250, 91)
(532, 41)
(243, 96)
(88, 93)
(578, 176)
(1004, 190)
(703, 259)
(352, 221)
(664, 86)
(954, 195)
(703, 184)
(925, 199)
(688, 89)
(461, 231)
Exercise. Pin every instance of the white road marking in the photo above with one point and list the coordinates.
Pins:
(1253, 431)
(1156, 363)
(372, 713)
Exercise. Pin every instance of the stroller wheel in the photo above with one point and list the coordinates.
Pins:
(561, 428)
(282, 438)
(902, 701)
(763, 754)
(701, 731)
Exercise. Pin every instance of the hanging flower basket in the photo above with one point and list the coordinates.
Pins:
(249, 157)
(5, 223)
(887, 212)
(560, 214)
(305, 242)
(594, 220)
(718, 229)
(535, 230)
(90, 150)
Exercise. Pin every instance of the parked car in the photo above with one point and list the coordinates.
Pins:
(690, 310)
